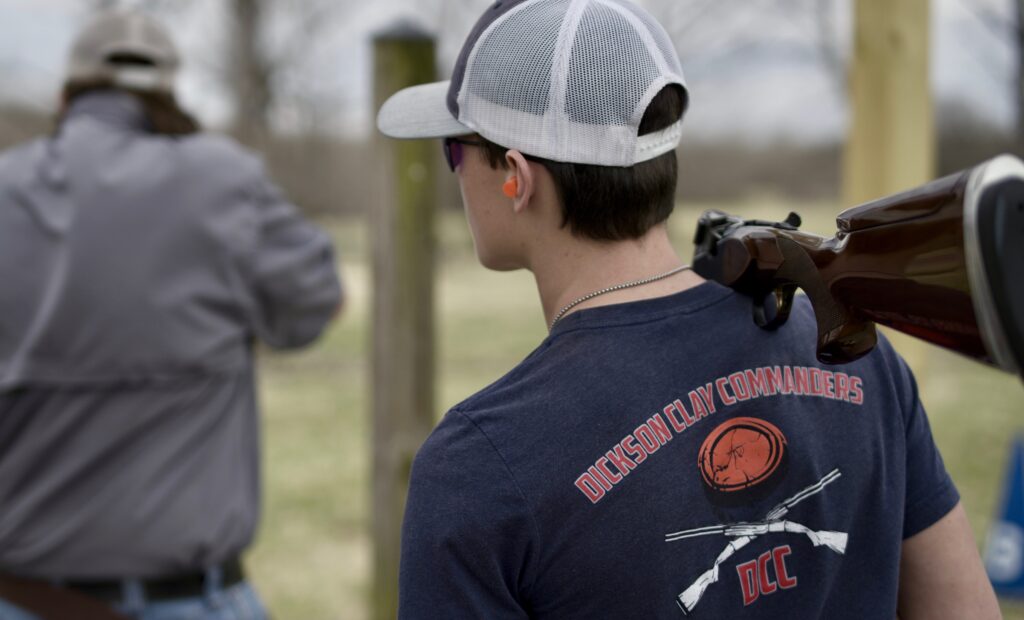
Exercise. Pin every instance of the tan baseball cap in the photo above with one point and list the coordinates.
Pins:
(127, 47)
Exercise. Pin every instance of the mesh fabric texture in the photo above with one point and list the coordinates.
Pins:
(570, 80)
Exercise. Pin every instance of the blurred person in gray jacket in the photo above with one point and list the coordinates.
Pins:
(140, 260)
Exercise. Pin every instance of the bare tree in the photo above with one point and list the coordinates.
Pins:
(102, 5)
(829, 51)
(251, 73)
(270, 39)
(1019, 91)
(1010, 32)
(262, 41)
(707, 32)
(155, 6)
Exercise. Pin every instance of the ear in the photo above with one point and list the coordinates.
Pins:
(526, 181)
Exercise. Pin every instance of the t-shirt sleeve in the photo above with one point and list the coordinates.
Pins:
(930, 492)
(468, 536)
(292, 272)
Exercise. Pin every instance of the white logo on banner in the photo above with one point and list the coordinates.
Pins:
(1004, 556)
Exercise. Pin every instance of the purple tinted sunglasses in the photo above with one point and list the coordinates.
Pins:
(453, 150)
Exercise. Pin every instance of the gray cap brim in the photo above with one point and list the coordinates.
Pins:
(420, 112)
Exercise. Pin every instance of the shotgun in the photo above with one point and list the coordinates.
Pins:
(941, 262)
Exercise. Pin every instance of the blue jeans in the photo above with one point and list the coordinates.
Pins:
(238, 602)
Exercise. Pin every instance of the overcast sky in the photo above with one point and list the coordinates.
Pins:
(753, 69)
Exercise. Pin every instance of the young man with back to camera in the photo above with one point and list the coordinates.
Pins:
(658, 455)
(141, 259)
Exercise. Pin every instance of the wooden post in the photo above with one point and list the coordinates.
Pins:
(403, 305)
(251, 74)
(891, 144)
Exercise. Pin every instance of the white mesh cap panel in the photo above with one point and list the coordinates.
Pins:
(609, 69)
(661, 38)
(513, 70)
(569, 80)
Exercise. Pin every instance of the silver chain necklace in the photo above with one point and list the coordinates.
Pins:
(617, 287)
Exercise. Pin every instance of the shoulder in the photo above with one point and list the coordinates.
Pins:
(472, 448)
(895, 371)
(459, 462)
(219, 155)
(883, 366)
(19, 160)
(458, 436)
(469, 538)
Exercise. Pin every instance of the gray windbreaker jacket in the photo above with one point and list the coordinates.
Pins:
(136, 272)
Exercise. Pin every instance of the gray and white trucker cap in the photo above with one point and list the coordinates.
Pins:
(565, 80)
(128, 48)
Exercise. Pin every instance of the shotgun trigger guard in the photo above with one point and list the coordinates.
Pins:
(783, 298)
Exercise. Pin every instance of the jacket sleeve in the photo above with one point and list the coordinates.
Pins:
(468, 536)
(292, 272)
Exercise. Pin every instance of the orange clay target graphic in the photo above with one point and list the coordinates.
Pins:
(740, 454)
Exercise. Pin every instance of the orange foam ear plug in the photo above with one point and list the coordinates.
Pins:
(511, 187)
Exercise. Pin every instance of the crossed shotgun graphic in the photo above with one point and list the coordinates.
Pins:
(743, 533)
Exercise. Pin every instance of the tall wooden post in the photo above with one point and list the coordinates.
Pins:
(251, 74)
(891, 145)
(403, 305)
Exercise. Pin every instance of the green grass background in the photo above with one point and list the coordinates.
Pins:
(312, 557)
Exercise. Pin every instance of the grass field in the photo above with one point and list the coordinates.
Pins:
(312, 559)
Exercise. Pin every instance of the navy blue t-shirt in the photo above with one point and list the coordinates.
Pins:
(668, 458)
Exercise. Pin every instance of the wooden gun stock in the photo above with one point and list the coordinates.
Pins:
(920, 262)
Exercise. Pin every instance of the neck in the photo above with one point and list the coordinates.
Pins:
(579, 267)
(113, 106)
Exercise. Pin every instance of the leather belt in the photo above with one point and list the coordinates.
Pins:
(94, 600)
(162, 588)
(50, 602)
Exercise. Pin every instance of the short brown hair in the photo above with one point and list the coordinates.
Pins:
(612, 203)
(164, 114)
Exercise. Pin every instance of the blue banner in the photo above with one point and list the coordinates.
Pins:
(1004, 552)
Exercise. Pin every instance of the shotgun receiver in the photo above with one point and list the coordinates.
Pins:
(942, 262)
